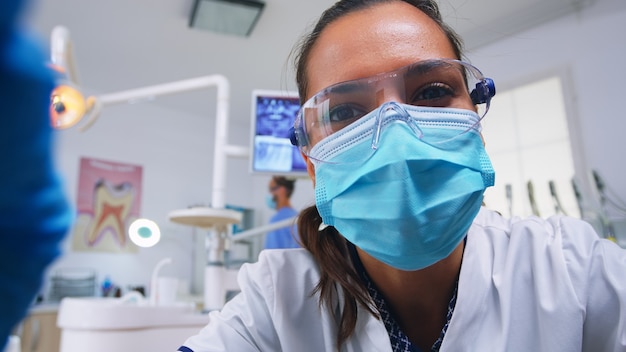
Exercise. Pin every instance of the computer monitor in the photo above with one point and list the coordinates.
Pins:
(273, 114)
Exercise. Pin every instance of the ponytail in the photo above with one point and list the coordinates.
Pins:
(330, 251)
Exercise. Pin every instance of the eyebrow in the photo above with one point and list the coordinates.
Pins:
(424, 67)
(415, 69)
(348, 86)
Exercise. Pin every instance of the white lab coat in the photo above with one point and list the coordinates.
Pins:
(525, 285)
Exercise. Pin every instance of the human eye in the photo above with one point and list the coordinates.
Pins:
(436, 83)
(345, 113)
(341, 115)
(436, 94)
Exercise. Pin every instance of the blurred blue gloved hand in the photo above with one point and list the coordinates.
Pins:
(34, 213)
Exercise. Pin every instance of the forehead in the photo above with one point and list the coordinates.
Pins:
(378, 39)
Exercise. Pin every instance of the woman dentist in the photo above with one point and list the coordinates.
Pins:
(398, 253)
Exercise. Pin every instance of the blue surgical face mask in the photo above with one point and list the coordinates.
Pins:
(270, 201)
(412, 201)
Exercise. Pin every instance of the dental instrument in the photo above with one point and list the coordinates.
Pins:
(509, 198)
(531, 198)
(608, 230)
(579, 198)
(558, 207)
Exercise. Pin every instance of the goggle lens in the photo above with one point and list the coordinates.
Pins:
(441, 83)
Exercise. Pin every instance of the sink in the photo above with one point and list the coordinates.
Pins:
(122, 324)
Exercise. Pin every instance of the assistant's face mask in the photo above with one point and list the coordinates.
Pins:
(270, 201)
(410, 203)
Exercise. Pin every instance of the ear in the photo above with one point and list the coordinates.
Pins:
(310, 168)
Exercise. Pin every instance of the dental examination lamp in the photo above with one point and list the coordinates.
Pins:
(68, 107)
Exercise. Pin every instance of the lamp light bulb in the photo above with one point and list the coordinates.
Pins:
(144, 233)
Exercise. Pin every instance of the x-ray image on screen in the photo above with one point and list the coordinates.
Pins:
(273, 114)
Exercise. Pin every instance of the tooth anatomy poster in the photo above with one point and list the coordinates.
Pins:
(109, 198)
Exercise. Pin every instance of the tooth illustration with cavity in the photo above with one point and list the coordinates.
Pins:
(112, 205)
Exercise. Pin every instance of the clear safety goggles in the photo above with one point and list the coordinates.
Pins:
(439, 83)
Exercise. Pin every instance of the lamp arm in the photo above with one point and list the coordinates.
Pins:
(61, 52)
(222, 149)
(94, 107)
(148, 92)
(263, 229)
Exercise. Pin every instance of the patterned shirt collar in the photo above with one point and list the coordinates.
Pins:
(399, 341)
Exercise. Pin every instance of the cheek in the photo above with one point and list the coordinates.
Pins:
(310, 168)
(315, 135)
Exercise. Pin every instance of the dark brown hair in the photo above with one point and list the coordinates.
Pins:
(285, 182)
(327, 246)
(345, 7)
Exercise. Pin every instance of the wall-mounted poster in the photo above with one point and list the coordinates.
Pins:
(109, 198)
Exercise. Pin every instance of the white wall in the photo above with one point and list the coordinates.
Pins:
(587, 49)
(176, 150)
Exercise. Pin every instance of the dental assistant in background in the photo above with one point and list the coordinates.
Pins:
(34, 214)
(280, 191)
(399, 254)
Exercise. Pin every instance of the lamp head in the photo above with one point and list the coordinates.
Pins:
(67, 103)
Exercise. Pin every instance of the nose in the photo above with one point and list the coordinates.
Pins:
(392, 110)
(389, 92)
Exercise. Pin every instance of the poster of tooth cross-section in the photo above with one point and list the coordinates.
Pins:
(108, 200)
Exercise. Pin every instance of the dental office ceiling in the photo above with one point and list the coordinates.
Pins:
(127, 44)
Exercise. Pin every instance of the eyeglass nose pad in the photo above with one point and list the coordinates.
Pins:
(393, 111)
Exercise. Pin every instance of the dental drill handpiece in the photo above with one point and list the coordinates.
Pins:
(579, 198)
(558, 207)
(509, 198)
(607, 225)
(531, 198)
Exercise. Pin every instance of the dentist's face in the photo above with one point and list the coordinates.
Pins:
(378, 39)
